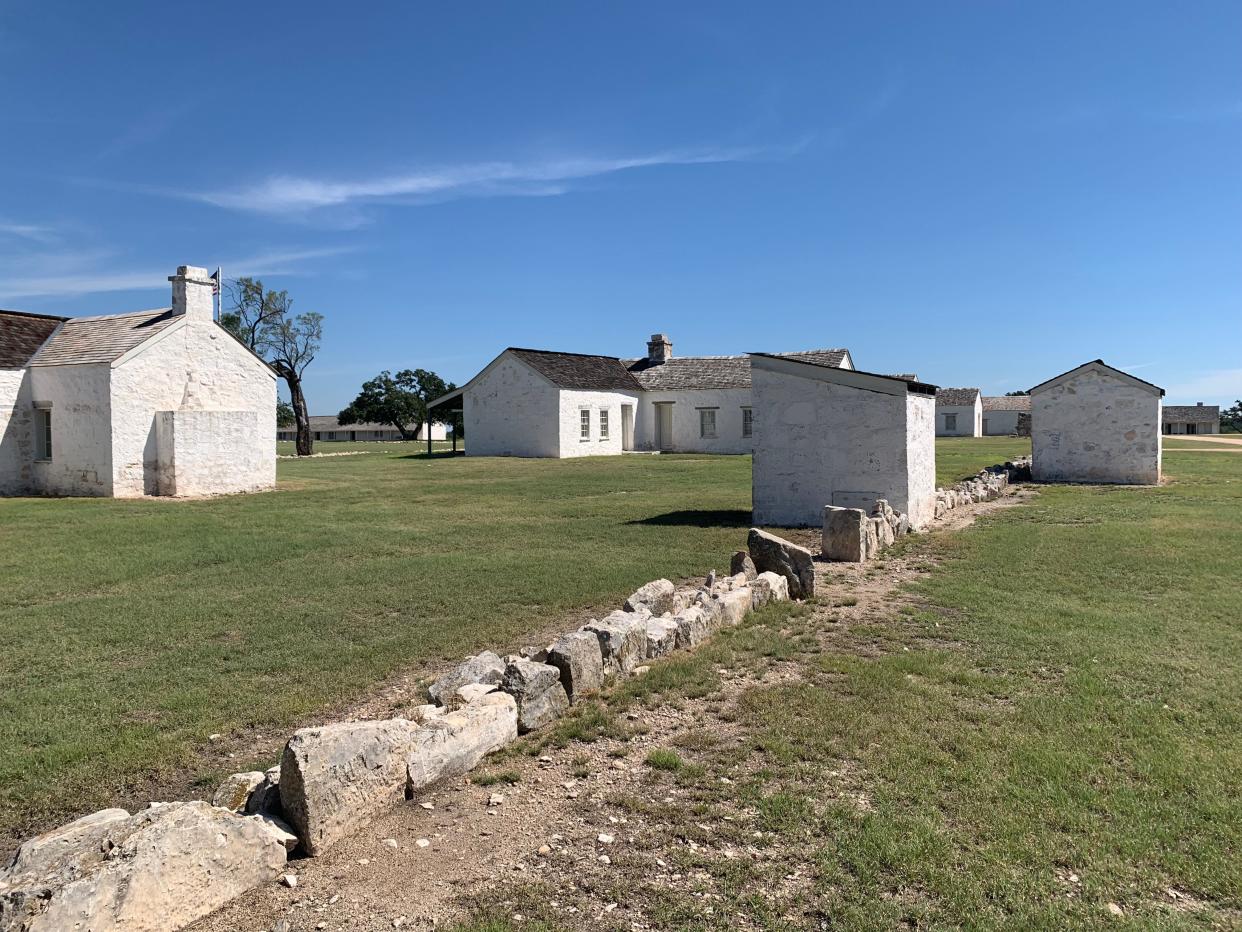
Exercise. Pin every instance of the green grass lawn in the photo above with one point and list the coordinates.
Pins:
(135, 629)
(1044, 731)
(958, 458)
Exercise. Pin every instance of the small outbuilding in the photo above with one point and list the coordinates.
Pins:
(1096, 423)
(830, 436)
(1006, 415)
(1192, 419)
(959, 412)
(160, 402)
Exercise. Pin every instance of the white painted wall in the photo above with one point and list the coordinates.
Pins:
(202, 452)
(1000, 423)
(685, 404)
(199, 366)
(1096, 427)
(920, 501)
(1201, 427)
(511, 410)
(969, 420)
(570, 405)
(16, 438)
(81, 439)
(819, 443)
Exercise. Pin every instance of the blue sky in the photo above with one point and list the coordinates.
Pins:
(985, 193)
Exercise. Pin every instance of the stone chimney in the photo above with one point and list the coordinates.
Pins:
(192, 292)
(659, 349)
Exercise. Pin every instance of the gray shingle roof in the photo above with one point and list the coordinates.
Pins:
(102, 339)
(690, 372)
(21, 335)
(1006, 402)
(577, 371)
(1201, 413)
(956, 396)
(703, 372)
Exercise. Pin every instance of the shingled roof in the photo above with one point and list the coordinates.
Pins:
(1199, 413)
(1006, 402)
(578, 371)
(955, 397)
(710, 372)
(102, 339)
(22, 334)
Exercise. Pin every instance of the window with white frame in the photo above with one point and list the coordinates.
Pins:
(950, 422)
(748, 422)
(43, 433)
(707, 423)
(603, 423)
(584, 424)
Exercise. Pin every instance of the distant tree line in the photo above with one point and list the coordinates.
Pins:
(1231, 418)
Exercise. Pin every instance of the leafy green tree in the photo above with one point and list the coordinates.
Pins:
(284, 414)
(1231, 418)
(1012, 394)
(264, 321)
(398, 400)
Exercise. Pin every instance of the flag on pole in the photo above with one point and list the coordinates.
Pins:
(217, 279)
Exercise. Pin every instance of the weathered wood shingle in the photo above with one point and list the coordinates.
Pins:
(102, 339)
(21, 335)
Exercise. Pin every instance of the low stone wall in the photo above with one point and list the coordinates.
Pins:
(851, 535)
(173, 863)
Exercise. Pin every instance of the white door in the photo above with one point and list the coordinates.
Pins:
(664, 426)
(627, 427)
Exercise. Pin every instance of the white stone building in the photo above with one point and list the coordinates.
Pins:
(959, 412)
(833, 436)
(326, 429)
(539, 403)
(1192, 419)
(1006, 415)
(1096, 424)
(162, 402)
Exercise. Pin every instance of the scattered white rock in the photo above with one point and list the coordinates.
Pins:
(289, 880)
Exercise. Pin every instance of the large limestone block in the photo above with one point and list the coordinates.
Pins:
(845, 534)
(694, 626)
(661, 637)
(486, 668)
(657, 597)
(775, 554)
(335, 778)
(537, 689)
(157, 870)
(622, 640)
(741, 562)
(768, 587)
(734, 606)
(581, 662)
(234, 793)
(453, 744)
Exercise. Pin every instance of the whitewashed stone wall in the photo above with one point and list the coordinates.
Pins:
(570, 406)
(16, 438)
(728, 403)
(511, 410)
(1096, 427)
(823, 443)
(198, 366)
(210, 453)
(969, 420)
(920, 500)
(81, 437)
(1000, 423)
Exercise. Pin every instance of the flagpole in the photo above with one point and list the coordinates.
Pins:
(219, 293)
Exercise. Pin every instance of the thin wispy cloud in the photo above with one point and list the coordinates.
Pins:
(102, 280)
(31, 232)
(292, 194)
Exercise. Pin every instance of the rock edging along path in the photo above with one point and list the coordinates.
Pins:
(173, 863)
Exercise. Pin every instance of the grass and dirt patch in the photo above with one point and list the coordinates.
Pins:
(1035, 725)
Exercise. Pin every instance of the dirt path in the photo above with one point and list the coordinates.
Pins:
(579, 825)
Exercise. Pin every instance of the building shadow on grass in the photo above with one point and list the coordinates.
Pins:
(729, 517)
